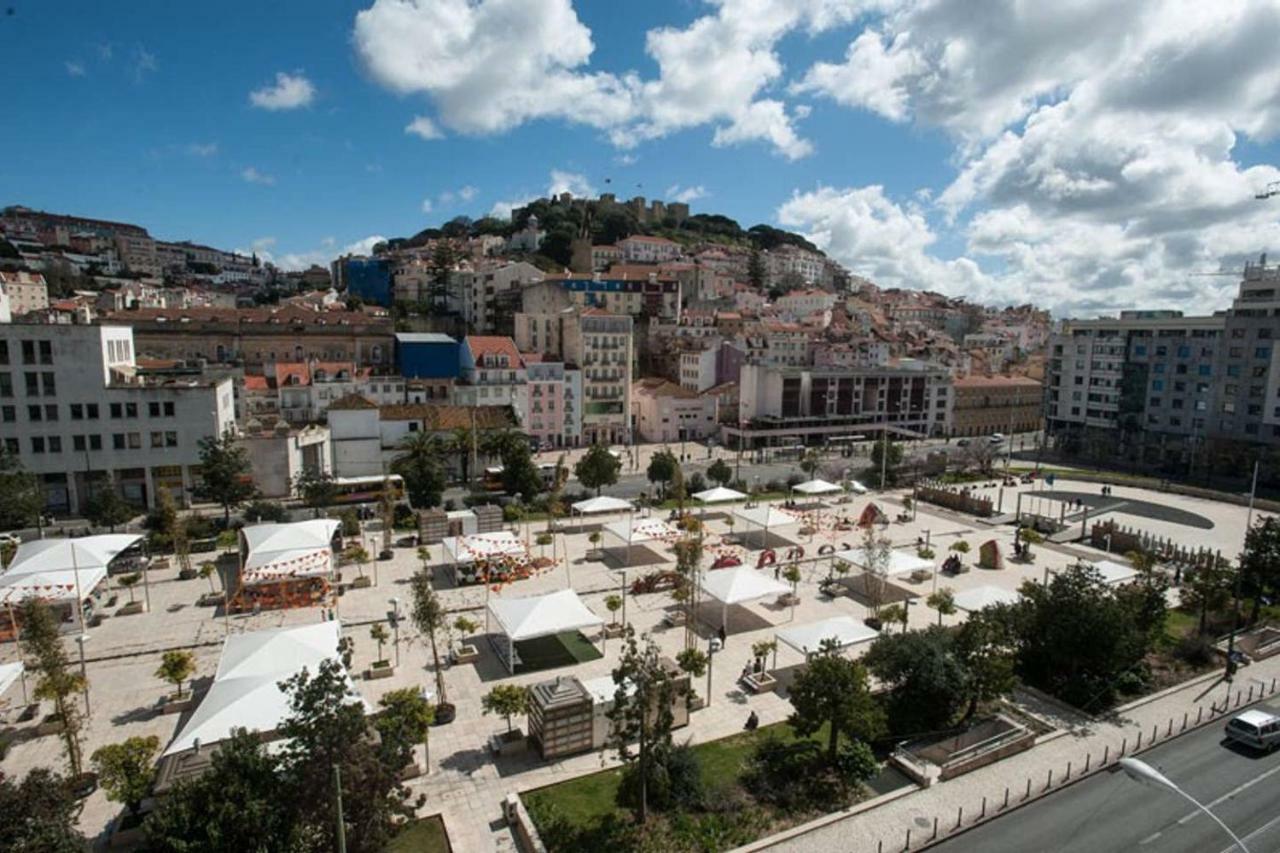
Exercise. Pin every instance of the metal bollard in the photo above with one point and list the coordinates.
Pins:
(1006, 797)
(1068, 778)
(1186, 716)
(959, 816)
(1139, 745)
(1199, 714)
(1106, 754)
(1169, 730)
(935, 826)
(1124, 743)
(1028, 793)
(984, 809)
(1273, 685)
(1250, 693)
(1049, 783)
(1155, 732)
(880, 846)
(908, 847)
(1088, 759)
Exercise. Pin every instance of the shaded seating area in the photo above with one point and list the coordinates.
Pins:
(718, 495)
(844, 631)
(60, 572)
(599, 505)
(481, 557)
(740, 585)
(1113, 573)
(758, 522)
(980, 597)
(637, 531)
(246, 693)
(285, 565)
(900, 563)
(542, 631)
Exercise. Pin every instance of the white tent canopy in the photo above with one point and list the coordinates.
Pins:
(857, 488)
(300, 549)
(719, 494)
(245, 692)
(766, 516)
(1113, 572)
(844, 630)
(817, 487)
(741, 584)
(900, 562)
(61, 569)
(9, 673)
(980, 597)
(603, 503)
(542, 615)
(636, 530)
(479, 546)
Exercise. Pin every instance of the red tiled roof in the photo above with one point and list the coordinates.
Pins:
(495, 345)
(352, 402)
(292, 373)
(255, 383)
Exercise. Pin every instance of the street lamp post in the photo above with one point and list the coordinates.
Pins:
(1144, 774)
(395, 626)
(711, 656)
(84, 672)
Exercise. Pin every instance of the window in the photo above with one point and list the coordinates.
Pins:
(4, 352)
(1204, 369)
(28, 352)
(153, 410)
(95, 442)
(9, 413)
(91, 411)
(55, 444)
(1157, 384)
(1262, 352)
(50, 412)
(11, 445)
(1233, 370)
(1140, 349)
(168, 410)
(117, 441)
(35, 413)
(1259, 371)
(1184, 351)
(1237, 333)
(78, 443)
(117, 410)
(50, 386)
(6, 385)
(46, 352)
(157, 439)
(1236, 352)
(33, 384)
(1159, 368)
(37, 444)
(130, 410)
(1162, 350)
(170, 438)
(77, 412)
(135, 441)
(1264, 333)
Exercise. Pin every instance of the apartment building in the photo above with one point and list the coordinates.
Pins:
(787, 262)
(663, 411)
(600, 345)
(777, 404)
(642, 249)
(492, 297)
(300, 392)
(491, 373)
(25, 291)
(75, 409)
(552, 402)
(634, 294)
(802, 303)
(985, 405)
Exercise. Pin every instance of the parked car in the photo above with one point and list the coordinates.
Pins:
(996, 438)
(1257, 729)
(964, 442)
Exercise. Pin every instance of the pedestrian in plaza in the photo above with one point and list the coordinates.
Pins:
(753, 722)
(723, 636)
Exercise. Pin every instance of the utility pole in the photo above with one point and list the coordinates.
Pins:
(1235, 605)
(337, 790)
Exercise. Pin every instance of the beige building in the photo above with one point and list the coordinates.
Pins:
(989, 404)
(26, 292)
(663, 411)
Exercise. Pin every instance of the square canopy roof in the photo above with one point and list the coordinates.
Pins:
(542, 615)
(603, 503)
(739, 584)
(719, 494)
(299, 549)
(481, 546)
(1113, 572)
(633, 530)
(50, 568)
(900, 562)
(766, 516)
(979, 597)
(817, 487)
(845, 630)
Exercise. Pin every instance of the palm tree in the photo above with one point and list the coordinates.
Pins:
(420, 464)
(462, 443)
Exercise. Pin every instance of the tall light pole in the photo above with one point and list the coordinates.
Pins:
(1144, 774)
(84, 672)
(395, 626)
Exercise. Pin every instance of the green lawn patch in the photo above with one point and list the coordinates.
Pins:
(557, 650)
(425, 835)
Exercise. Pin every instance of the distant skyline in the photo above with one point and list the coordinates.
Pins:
(1088, 156)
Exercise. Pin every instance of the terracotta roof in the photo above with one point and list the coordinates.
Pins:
(255, 383)
(155, 363)
(994, 381)
(496, 345)
(658, 387)
(292, 373)
(352, 402)
(438, 418)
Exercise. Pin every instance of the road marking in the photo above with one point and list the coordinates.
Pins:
(1229, 794)
(1266, 826)
(1152, 837)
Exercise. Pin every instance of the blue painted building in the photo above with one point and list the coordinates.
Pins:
(427, 355)
(368, 278)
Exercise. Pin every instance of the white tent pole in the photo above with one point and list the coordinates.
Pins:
(511, 655)
(75, 570)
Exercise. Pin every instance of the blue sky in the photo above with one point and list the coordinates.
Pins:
(1039, 165)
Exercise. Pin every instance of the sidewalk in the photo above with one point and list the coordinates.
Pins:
(1085, 746)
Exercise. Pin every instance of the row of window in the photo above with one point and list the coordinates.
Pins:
(35, 383)
(33, 352)
(119, 441)
(86, 411)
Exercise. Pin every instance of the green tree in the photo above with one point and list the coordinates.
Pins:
(56, 681)
(693, 661)
(890, 462)
(327, 728)
(984, 644)
(125, 769)
(597, 468)
(22, 498)
(1260, 564)
(642, 716)
(105, 508)
(263, 510)
(419, 463)
(209, 570)
(39, 814)
(1208, 589)
(358, 555)
(719, 472)
(428, 616)
(226, 475)
(506, 700)
(943, 601)
(129, 581)
(243, 801)
(378, 633)
(756, 272)
(317, 488)
(926, 680)
(662, 470)
(404, 721)
(811, 462)
(833, 691)
(519, 475)
(463, 444)
(176, 666)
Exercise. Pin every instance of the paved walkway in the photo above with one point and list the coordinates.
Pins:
(909, 823)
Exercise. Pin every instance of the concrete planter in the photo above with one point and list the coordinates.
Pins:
(509, 743)
(362, 582)
(761, 682)
(133, 608)
(174, 705)
(466, 653)
(385, 670)
(614, 630)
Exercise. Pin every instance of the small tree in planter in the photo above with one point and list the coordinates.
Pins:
(594, 539)
(404, 722)
(124, 770)
(358, 555)
(613, 603)
(960, 547)
(378, 633)
(507, 700)
(1029, 536)
(208, 569)
(760, 651)
(57, 682)
(894, 613)
(543, 540)
(943, 601)
(693, 661)
(465, 628)
(129, 581)
(791, 574)
(176, 666)
(428, 615)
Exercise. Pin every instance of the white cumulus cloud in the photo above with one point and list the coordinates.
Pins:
(685, 194)
(289, 92)
(423, 128)
(251, 175)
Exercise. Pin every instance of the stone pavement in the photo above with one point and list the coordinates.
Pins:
(1083, 746)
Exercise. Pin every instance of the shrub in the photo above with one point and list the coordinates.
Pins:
(403, 516)
(350, 522)
(261, 510)
(773, 486)
(512, 513)
(1195, 649)
(675, 781)
(794, 480)
(696, 483)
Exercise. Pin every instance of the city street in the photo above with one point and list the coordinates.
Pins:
(1110, 812)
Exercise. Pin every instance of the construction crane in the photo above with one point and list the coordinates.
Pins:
(1271, 189)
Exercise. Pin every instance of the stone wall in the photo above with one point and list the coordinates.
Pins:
(955, 499)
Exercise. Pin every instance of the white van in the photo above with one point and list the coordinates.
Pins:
(1257, 729)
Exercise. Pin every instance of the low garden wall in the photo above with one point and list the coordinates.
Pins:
(956, 500)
